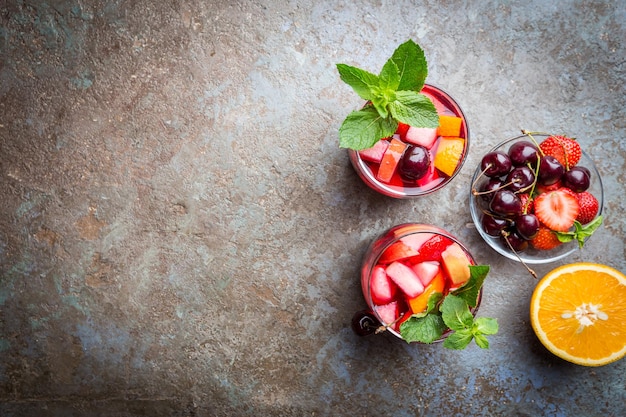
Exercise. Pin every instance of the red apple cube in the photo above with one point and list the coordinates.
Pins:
(388, 313)
(426, 271)
(383, 290)
(405, 279)
(416, 240)
(376, 152)
(422, 136)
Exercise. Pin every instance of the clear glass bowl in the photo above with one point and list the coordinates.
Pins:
(367, 321)
(530, 255)
(446, 105)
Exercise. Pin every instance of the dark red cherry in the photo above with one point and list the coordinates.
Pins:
(520, 178)
(493, 226)
(364, 323)
(506, 203)
(495, 164)
(550, 170)
(576, 179)
(489, 188)
(414, 163)
(523, 153)
(527, 225)
(518, 243)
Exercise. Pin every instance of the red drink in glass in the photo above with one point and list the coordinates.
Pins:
(370, 164)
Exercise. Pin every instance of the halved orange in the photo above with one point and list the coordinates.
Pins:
(578, 313)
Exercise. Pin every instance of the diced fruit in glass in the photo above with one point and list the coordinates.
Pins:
(405, 279)
(426, 271)
(419, 303)
(456, 264)
(383, 290)
(390, 160)
(376, 152)
(397, 251)
(450, 126)
(416, 240)
(423, 136)
(388, 312)
(448, 155)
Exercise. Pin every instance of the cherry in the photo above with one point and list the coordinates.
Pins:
(576, 179)
(414, 163)
(495, 164)
(364, 323)
(506, 203)
(520, 178)
(523, 153)
(493, 226)
(518, 243)
(490, 187)
(550, 170)
(527, 226)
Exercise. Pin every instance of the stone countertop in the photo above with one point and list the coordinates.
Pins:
(181, 234)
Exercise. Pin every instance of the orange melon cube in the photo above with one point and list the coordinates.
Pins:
(449, 125)
(448, 155)
(419, 303)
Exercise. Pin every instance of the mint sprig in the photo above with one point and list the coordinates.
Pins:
(393, 96)
(580, 233)
(453, 313)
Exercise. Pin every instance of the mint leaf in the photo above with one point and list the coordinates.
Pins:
(580, 232)
(363, 128)
(414, 109)
(360, 80)
(425, 329)
(469, 291)
(455, 313)
(389, 79)
(412, 66)
(459, 339)
(481, 341)
(485, 325)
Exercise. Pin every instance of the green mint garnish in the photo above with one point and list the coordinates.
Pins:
(453, 312)
(393, 96)
(580, 232)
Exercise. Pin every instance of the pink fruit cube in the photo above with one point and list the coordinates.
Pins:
(376, 152)
(456, 264)
(405, 279)
(426, 271)
(423, 136)
(416, 240)
(388, 313)
(383, 290)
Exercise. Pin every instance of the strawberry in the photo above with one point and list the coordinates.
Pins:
(565, 150)
(557, 209)
(545, 239)
(589, 207)
(527, 203)
(402, 129)
(397, 251)
(431, 250)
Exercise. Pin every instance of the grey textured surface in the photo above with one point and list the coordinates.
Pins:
(180, 234)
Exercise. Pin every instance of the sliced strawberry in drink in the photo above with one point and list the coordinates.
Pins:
(383, 290)
(423, 136)
(397, 251)
(388, 313)
(405, 279)
(402, 129)
(376, 152)
(426, 271)
(431, 250)
(390, 160)
(416, 240)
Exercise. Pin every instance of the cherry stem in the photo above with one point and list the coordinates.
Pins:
(478, 177)
(384, 327)
(505, 235)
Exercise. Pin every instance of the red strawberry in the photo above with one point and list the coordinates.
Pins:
(545, 239)
(431, 250)
(545, 188)
(527, 203)
(557, 209)
(402, 129)
(397, 251)
(589, 207)
(564, 149)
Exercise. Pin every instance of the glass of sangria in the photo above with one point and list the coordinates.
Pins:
(402, 269)
(417, 161)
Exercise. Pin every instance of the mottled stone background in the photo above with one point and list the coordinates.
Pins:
(180, 234)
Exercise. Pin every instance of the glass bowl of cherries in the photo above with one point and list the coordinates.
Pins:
(536, 198)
